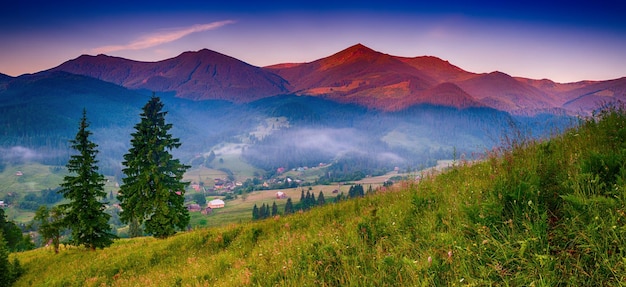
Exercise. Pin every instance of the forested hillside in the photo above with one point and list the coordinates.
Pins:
(38, 114)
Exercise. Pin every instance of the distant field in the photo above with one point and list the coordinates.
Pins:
(229, 156)
(36, 177)
(203, 174)
(29, 178)
(240, 210)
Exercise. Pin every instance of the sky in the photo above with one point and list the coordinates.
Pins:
(565, 41)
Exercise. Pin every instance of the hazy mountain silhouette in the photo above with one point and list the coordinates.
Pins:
(356, 75)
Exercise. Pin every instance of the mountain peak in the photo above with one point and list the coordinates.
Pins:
(358, 54)
(358, 50)
(359, 47)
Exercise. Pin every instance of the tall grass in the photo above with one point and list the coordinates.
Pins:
(548, 213)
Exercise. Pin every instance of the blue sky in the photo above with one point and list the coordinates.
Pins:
(561, 40)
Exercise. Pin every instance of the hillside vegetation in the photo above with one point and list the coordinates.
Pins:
(532, 214)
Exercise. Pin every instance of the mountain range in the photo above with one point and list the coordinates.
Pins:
(356, 75)
(364, 111)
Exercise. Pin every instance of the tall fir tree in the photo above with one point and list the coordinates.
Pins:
(153, 192)
(84, 188)
(274, 209)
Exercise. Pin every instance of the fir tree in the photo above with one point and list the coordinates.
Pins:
(274, 209)
(302, 199)
(289, 206)
(134, 228)
(320, 199)
(266, 211)
(306, 203)
(356, 191)
(6, 274)
(262, 211)
(255, 212)
(152, 192)
(84, 188)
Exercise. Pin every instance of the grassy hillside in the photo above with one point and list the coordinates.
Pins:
(533, 214)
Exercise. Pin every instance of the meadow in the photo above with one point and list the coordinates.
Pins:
(532, 213)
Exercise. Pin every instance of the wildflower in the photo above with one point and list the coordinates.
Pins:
(450, 254)
(430, 260)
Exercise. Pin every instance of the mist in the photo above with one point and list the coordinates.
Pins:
(20, 154)
(283, 131)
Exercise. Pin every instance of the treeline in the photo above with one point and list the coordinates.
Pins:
(361, 143)
(32, 201)
(308, 201)
(265, 211)
(12, 233)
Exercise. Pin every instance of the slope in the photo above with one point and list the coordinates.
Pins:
(358, 75)
(47, 103)
(545, 214)
(438, 69)
(593, 95)
(503, 92)
(4, 78)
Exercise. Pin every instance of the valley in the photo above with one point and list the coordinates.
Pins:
(357, 116)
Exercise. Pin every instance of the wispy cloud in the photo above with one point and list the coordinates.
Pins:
(163, 37)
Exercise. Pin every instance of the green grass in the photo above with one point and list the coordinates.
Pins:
(547, 213)
(35, 177)
(203, 174)
(229, 157)
(240, 210)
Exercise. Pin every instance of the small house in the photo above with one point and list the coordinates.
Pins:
(2, 204)
(207, 211)
(216, 203)
(280, 195)
(194, 207)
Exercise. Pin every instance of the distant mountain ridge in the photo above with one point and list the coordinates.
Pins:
(197, 75)
(359, 134)
(356, 75)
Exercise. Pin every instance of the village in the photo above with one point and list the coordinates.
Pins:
(227, 189)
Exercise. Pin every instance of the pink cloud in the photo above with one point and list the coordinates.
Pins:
(159, 38)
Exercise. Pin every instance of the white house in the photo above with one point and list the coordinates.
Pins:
(216, 203)
(2, 204)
